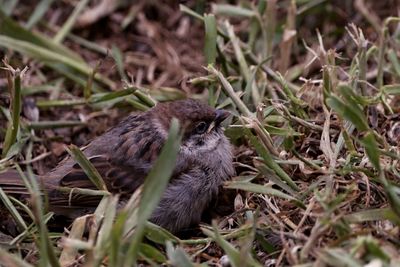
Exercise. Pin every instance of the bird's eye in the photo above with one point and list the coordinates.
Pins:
(201, 127)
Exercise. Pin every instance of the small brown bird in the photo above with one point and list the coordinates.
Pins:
(125, 154)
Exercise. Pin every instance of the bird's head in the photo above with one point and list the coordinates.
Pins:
(201, 123)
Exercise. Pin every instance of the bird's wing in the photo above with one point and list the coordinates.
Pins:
(119, 179)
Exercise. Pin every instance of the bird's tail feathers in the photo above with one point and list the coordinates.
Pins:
(12, 183)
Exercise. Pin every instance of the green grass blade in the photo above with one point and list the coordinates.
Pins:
(235, 258)
(270, 162)
(369, 215)
(41, 53)
(231, 10)
(11, 29)
(116, 53)
(14, 212)
(104, 236)
(392, 89)
(38, 13)
(40, 125)
(145, 98)
(152, 253)
(52, 58)
(210, 40)
(60, 103)
(88, 88)
(244, 67)
(115, 251)
(351, 113)
(185, 9)
(260, 189)
(230, 92)
(372, 149)
(339, 257)
(154, 186)
(66, 28)
(87, 167)
(273, 178)
(159, 235)
(46, 248)
(103, 97)
(15, 88)
(178, 256)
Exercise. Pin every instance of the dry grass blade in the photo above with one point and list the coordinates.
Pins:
(12, 260)
(69, 253)
(104, 236)
(230, 92)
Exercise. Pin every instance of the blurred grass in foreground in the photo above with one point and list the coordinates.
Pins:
(318, 163)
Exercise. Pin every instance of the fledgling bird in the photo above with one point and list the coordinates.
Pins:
(125, 154)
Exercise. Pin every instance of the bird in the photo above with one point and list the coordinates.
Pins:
(125, 154)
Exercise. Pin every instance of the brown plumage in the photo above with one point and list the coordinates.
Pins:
(125, 154)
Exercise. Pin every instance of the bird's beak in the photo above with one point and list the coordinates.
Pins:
(221, 115)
